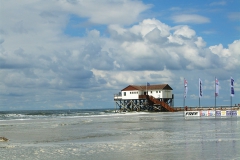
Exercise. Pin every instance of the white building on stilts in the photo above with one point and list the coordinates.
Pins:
(145, 98)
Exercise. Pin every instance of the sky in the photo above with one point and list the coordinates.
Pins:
(76, 54)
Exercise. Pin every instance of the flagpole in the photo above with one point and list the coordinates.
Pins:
(215, 95)
(231, 90)
(199, 102)
(183, 101)
(199, 91)
(184, 97)
(231, 104)
(231, 95)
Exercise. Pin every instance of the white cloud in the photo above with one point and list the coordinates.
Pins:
(175, 8)
(200, 42)
(105, 11)
(39, 63)
(190, 18)
(221, 3)
(230, 56)
(117, 79)
(153, 50)
(208, 32)
(234, 16)
(148, 25)
(185, 32)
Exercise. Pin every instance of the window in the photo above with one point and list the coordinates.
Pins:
(156, 91)
(124, 93)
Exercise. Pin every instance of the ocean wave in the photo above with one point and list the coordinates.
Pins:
(41, 114)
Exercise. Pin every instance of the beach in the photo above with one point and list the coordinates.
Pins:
(108, 135)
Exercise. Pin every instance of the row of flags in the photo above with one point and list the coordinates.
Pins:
(216, 87)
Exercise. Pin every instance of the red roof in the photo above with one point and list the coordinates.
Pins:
(151, 87)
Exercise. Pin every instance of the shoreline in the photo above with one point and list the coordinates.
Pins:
(206, 108)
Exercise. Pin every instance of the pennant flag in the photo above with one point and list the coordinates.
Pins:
(200, 88)
(185, 88)
(232, 88)
(216, 87)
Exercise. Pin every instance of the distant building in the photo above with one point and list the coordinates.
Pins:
(146, 96)
(157, 91)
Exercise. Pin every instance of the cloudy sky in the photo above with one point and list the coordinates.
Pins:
(67, 54)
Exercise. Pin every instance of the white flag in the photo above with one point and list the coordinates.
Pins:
(185, 88)
(200, 88)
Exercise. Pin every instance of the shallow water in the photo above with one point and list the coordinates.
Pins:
(121, 136)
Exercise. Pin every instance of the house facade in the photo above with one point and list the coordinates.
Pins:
(160, 91)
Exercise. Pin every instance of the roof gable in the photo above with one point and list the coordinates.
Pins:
(131, 87)
(150, 87)
(159, 87)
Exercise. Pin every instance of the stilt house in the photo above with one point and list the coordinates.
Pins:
(145, 97)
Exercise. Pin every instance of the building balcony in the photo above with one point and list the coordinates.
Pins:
(117, 96)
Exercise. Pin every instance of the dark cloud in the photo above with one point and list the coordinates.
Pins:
(102, 61)
(48, 14)
(11, 65)
(1, 40)
(154, 36)
(125, 36)
(20, 27)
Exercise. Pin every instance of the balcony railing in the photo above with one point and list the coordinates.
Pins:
(117, 96)
(142, 96)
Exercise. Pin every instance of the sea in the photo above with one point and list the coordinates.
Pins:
(103, 134)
